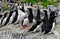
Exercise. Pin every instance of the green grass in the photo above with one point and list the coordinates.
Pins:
(4, 9)
(45, 3)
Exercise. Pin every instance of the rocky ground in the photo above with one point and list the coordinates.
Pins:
(16, 32)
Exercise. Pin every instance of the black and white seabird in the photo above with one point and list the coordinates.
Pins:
(29, 21)
(5, 14)
(37, 19)
(6, 18)
(48, 24)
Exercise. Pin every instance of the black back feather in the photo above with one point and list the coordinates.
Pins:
(22, 8)
(30, 16)
(38, 15)
(46, 15)
(1, 16)
(34, 26)
(15, 18)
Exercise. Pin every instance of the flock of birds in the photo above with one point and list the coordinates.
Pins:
(43, 19)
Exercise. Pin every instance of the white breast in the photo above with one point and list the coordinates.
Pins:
(11, 18)
(53, 26)
(26, 21)
(0, 22)
(4, 21)
(59, 13)
(22, 15)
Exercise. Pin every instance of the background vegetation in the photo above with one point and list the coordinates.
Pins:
(4, 6)
(45, 3)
